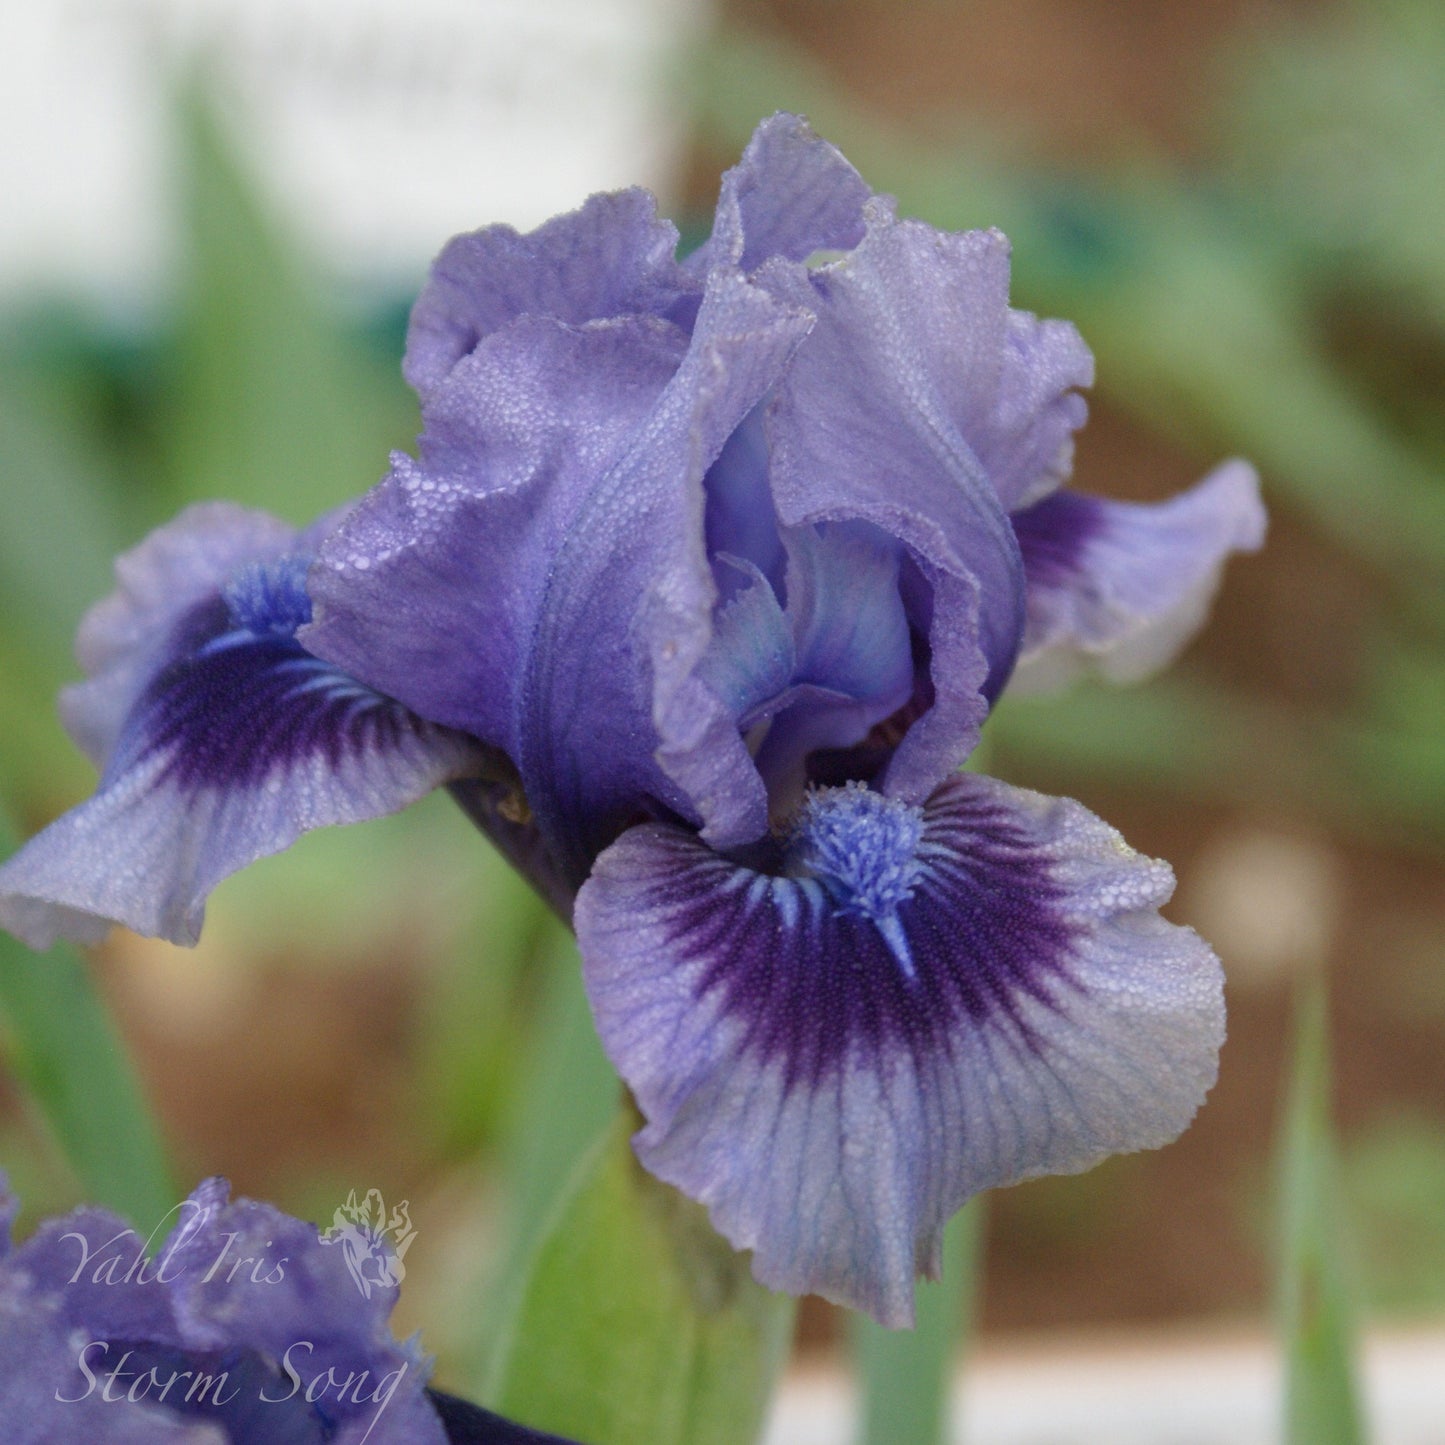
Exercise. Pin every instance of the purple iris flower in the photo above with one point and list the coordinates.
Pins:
(698, 593)
(240, 1328)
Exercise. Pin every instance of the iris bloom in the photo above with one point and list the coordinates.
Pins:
(239, 1329)
(698, 592)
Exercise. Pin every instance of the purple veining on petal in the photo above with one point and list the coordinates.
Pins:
(838, 985)
(834, 1062)
(243, 705)
(222, 740)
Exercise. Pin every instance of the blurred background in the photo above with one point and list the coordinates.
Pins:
(216, 215)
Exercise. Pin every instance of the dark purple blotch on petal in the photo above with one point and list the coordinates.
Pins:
(981, 925)
(1053, 533)
(244, 699)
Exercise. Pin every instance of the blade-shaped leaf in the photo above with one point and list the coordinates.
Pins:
(62, 1045)
(906, 1376)
(1316, 1309)
(565, 1097)
(273, 403)
(639, 1326)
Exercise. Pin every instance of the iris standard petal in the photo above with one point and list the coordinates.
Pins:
(234, 740)
(1119, 587)
(791, 194)
(639, 557)
(939, 1000)
(872, 422)
(431, 588)
(612, 257)
(1024, 433)
(739, 518)
(541, 577)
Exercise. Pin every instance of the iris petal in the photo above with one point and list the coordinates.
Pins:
(252, 1326)
(751, 658)
(854, 659)
(1119, 587)
(125, 639)
(791, 194)
(431, 589)
(612, 257)
(835, 1062)
(540, 578)
(222, 739)
(886, 416)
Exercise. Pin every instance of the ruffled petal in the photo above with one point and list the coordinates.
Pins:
(62, 1289)
(938, 1001)
(882, 418)
(242, 1271)
(431, 588)
(1025, 437)
(1119, 587)
(223, 1331)
(233, 741)
(791, 194)
(613, 257)
(541, 578)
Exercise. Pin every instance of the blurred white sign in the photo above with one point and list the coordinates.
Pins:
(381, 126)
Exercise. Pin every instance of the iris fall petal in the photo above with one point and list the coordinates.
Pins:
(222, 740)
(956, 997)
(1120, 587)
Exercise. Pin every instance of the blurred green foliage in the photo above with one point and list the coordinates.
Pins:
(1316, 1295)
(639, 1325)
(61, 1043)
(1394, 1182)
